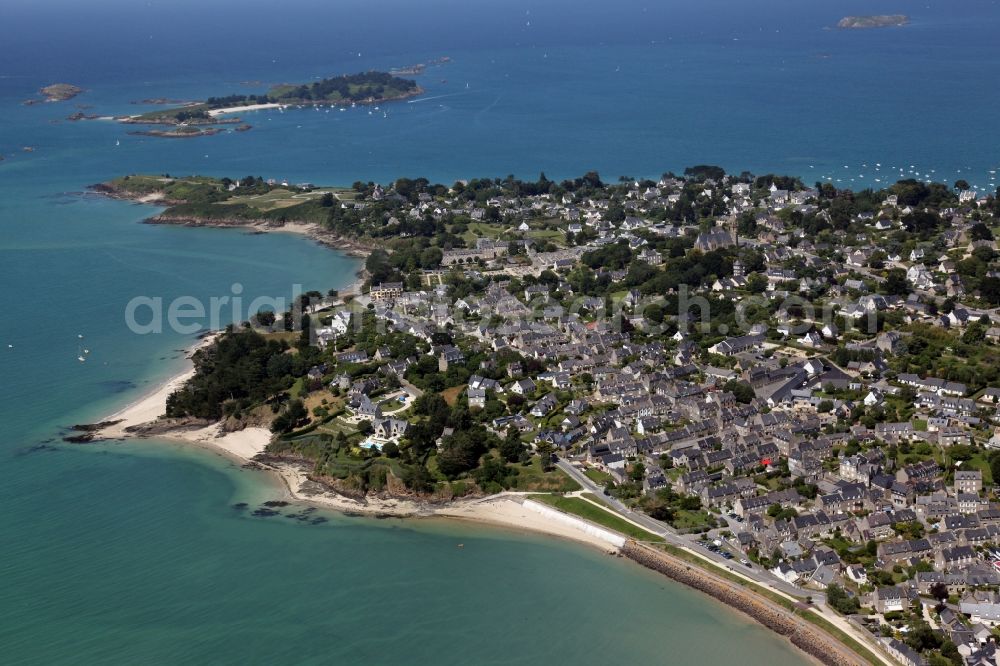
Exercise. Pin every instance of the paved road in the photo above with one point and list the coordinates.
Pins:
(671, 536)
(757, 574)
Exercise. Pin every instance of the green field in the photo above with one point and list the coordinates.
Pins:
(597, 476)
(595, 514)
(201, 197)
(531, 478)
(170, 115)
(281, 198)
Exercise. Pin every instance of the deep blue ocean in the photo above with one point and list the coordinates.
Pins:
(115, 553)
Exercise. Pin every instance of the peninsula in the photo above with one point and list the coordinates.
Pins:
(819, 451)
(876, 21)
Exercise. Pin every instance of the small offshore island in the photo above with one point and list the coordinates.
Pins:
(57, 92)
(202, 118)
(519, 352)
(876, 21)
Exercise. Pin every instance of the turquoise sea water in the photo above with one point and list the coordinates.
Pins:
(133, 553)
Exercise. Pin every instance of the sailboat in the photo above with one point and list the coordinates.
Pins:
(118, 142)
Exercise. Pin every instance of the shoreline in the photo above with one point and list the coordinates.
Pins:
(229, 110)
(151, 405)
(815, 643)
(313, 231)
(506, 511)
(241, 109)
(511, 512)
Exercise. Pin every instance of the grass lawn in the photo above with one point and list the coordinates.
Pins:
(336, 426)
(287, 336)
(450, 395)
(556, 236)
(597, 476)
(594, 498)
(594, 514)
(690, 520)
(532, 478)
(979, 461)
(482, 230)
(282, 198)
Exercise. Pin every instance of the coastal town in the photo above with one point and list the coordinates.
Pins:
(799, 383)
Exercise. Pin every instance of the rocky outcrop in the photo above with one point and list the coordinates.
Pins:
(869, 22)
(165, 426)
(802, 634)
(87, 432)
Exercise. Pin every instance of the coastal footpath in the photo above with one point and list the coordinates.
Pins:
(802, 635)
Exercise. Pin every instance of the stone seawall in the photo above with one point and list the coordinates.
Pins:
(608, 536)
(803, 635)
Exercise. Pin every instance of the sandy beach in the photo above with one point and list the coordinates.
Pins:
(241, 109)
(507, 510)
(153, 405)
(513, 511)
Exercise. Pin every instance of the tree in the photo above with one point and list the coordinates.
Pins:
(705, 172)
(980, 232)
(939, 591)
(418, 479)
(742, 391)
(292, 417)
(494, 474)
(545, 450)
(756, 283)
(989, 290)
(961, 185)
(654, 313)
(265, 318)
(974, 333)
(511, 447)
(840, 601)
(895, 283)
(921, 637)
(779, 512)
(995, 464)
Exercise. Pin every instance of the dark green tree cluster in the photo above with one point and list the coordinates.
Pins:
(841, 601)
(240, 370)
